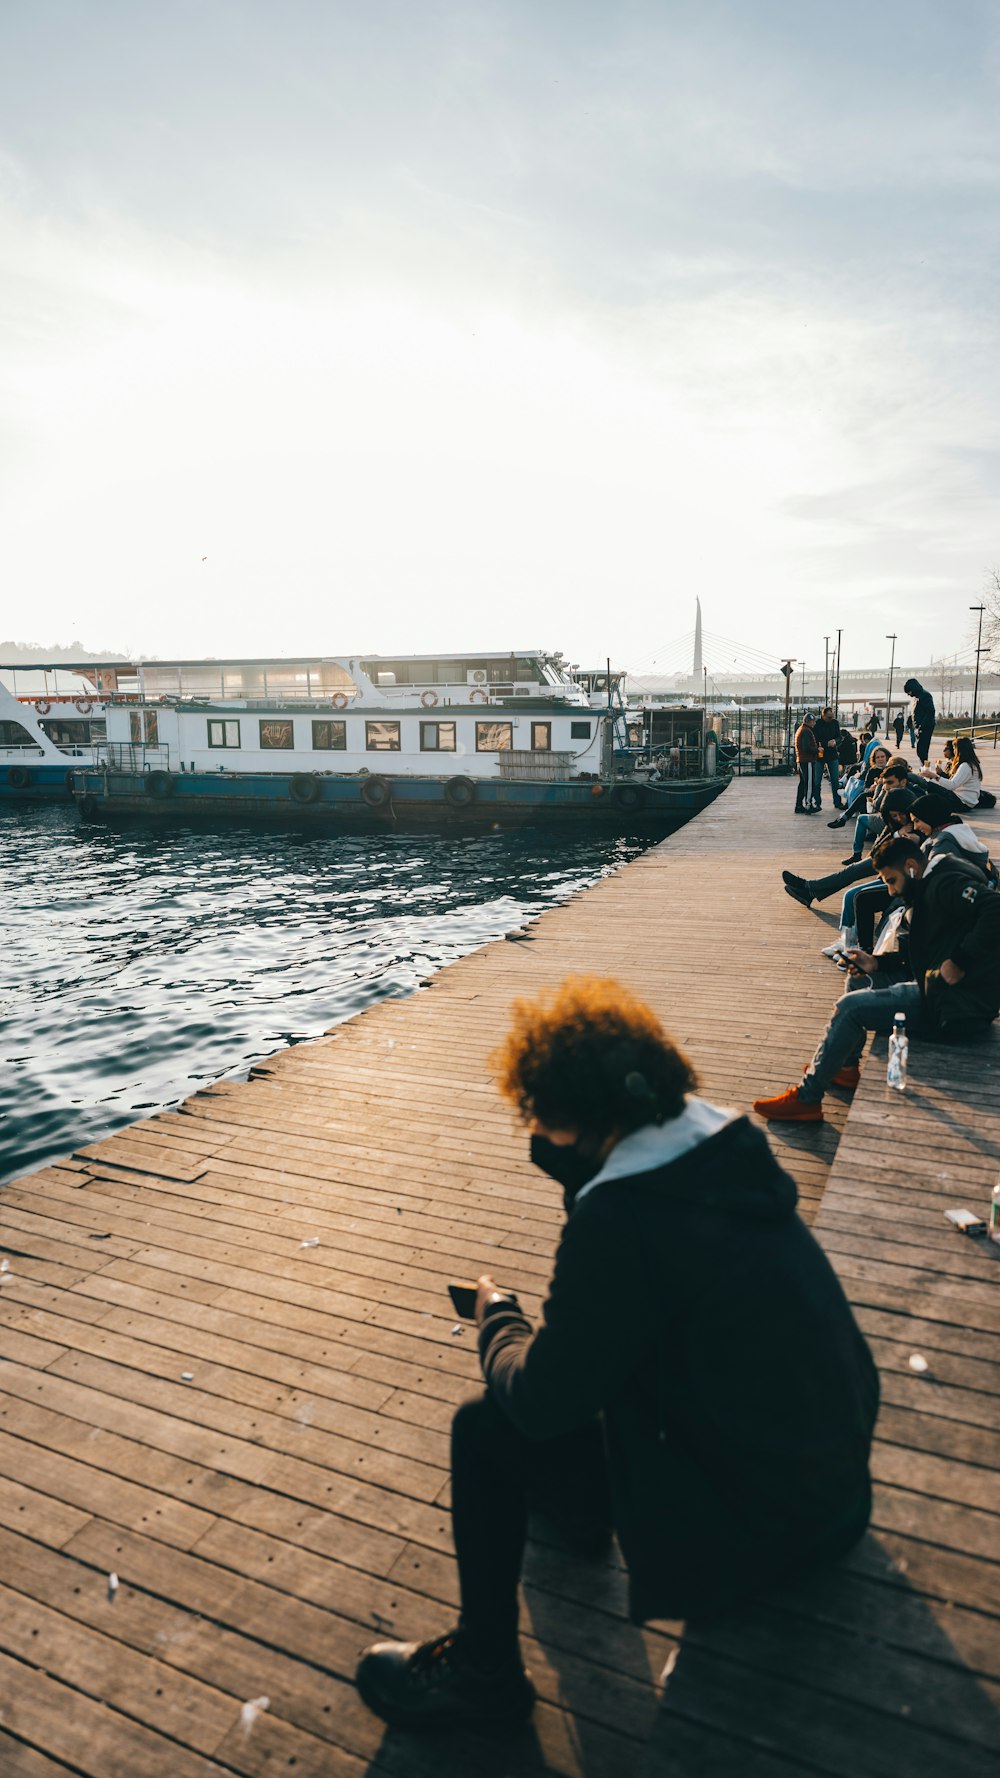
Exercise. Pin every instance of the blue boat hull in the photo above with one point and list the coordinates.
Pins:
(328, 802)
(35, 783)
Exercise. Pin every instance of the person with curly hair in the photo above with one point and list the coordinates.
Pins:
(697, 1383)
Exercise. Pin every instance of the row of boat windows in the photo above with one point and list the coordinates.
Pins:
(380, 736)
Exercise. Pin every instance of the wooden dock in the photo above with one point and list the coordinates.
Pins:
(229, 1368)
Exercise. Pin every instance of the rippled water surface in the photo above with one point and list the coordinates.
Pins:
(139, 964)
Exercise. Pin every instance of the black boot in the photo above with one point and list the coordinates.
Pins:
(797, 888)
(436, 1685)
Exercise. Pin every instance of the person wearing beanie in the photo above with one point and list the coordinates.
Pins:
(954, 954)
(923, 716)
(807, 760)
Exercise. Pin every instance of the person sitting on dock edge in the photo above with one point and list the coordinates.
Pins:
(697, 1382)
(954, 950)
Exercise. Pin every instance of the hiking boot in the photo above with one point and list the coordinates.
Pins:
(847, 1077)
(788, 1108)
(437, 1685)
(797, 888)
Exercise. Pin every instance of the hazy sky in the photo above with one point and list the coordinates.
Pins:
(453, 325)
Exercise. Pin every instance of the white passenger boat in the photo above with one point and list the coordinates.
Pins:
(416, 740)
(42, 736)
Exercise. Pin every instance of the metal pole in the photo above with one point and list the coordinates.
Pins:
(892, 662)
(803, 681)
(826, 671)
(979, 650)
(836, 693)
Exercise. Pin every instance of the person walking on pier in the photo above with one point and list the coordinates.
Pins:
(923, 717)
(899, 724)
(697, 1381)
(954, 952)
(807, 760)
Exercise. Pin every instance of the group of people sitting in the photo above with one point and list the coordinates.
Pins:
(919, 921)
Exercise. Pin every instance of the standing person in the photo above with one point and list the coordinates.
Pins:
(923, 716)
(807, 760)
(899, 725)
(828, 732)
(910, 730)
(697, 1380)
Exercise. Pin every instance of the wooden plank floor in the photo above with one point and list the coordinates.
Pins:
(229, 1370)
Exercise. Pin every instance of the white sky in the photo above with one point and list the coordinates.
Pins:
(487, 325)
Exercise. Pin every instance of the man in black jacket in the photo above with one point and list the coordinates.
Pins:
(954, 950)
(923, 717)
(827, 732)
(697, 1381)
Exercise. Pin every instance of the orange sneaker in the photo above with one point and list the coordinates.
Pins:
(847, 1077)
(788, 1108)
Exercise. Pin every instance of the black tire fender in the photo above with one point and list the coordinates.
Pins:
(303, 787)
(87, 806)
(376, 792)
(19, 777)
(460, 792)
(627, 797)
(159, 784)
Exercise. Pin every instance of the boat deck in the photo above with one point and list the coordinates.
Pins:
(229, 1368)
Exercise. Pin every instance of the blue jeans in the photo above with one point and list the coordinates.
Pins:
(866, 827)
(833, 767)
(856, 1013)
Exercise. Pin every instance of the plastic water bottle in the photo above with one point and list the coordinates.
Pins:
(899, 1052)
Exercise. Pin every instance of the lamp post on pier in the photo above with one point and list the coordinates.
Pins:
(888, 694)
(826, 671)
(979, 651)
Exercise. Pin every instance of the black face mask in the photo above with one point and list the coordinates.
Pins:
(571, 1167)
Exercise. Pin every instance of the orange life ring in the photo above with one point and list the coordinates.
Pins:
(478, 696)
(428, 698)
(42, 706)
(84, 705)
(339, 700)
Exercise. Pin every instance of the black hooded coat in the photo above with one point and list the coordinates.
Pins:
(693, 1310)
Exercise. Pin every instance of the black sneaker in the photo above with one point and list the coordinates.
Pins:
(435, 1685)
(841, 821)
(798, 889)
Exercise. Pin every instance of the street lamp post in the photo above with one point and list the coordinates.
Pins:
(836, 689)
(826, 671)
(979, 651)
(803, 681)
(892, 662)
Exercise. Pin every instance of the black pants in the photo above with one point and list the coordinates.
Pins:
(869, 903)
(808, 793)
(496, 1474)
(924, 738)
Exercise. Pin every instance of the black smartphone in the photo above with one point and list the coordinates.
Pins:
(463, 1300)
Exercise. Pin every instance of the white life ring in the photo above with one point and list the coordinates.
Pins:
(478, 696)
(339, 700)
(428, 699)
(42, 706)
(84, 706)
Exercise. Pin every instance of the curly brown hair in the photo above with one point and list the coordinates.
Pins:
(591, 1056)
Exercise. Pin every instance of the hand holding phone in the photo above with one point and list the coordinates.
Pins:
(463, 1300)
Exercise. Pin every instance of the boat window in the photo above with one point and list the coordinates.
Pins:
(64, 733)
(13, 735)
(382, 737)
(494, 737)
(437, 737)
(276, 735)
(579, 731)
(223, 734)
(151, 728)
(541, 737)
(135, 729)
(330, 736)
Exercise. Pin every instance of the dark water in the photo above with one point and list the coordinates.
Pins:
(137, 965)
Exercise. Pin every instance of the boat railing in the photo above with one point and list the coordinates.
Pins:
(132, 756)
